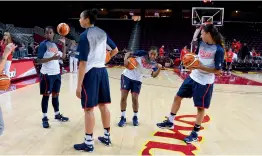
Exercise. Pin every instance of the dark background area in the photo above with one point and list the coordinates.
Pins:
(29, 14)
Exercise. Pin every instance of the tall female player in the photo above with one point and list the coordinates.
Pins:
(7, 51)
(93, 84)
(199, 84)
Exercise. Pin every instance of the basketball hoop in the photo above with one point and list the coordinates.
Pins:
(207, 15)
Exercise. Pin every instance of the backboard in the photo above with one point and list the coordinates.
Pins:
(202, 15)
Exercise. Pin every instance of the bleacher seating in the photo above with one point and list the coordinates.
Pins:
(172, 33)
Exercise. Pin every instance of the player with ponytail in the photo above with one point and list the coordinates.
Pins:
(93, 83)
(200, 82)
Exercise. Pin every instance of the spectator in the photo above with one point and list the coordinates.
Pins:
(30, 49)
(73, 60)
(244, 52)
(161, 51)
(6, 40)
(229, 59)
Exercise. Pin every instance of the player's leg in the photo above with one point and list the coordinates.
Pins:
(1, 122)
(104, 98)
(185, 91)
(135, 90)
(71, 60)
(45, 89)
(89, 99)
(202, 95)
(55, 98)
(125, 83)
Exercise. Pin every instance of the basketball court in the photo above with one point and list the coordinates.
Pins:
(232, 124)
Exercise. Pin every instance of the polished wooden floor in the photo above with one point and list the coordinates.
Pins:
(234, 127)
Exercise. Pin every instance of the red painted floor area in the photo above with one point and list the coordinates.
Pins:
(226, 79)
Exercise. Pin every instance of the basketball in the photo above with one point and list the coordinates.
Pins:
(132, 63)
(190, 60)
(108, 56)
(63, 29)
(4, 82)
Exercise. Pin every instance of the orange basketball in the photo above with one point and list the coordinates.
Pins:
(190, 60)
(63, 29)
(4, 82)
(108, 56)
(132, 63)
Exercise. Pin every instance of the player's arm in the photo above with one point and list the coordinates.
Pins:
(156, 70)
(127, 55)
(62, 40)
(83, 49)
(196, 39)
(40, 54)
(139, 53)
(8, 49)
(219, 58)
(112, 45)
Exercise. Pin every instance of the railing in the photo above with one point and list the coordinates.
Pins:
(17, 35)
(74, 33)
(2, 25)
(25, 30)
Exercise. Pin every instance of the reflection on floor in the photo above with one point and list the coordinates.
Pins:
(227, 79)
(235, 79)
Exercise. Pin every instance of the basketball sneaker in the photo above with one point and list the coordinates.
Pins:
(122, 121)
(60, 117)
(45, 122)
(165, 124)
(105, 141)
(84, 147)
(191, 138)
(135, 121)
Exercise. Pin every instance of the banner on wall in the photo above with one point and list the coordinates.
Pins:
(21, 69)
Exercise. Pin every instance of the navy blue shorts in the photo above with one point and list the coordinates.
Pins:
(95, 88)
(129, 84)
(50, 84)
(201, 94)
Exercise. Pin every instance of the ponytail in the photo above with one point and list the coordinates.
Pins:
(91, 14)
(215, 34)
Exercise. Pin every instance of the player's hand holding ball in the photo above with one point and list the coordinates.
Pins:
(191, 61)
(159, 66)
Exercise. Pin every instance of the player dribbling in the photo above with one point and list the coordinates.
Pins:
(131, 80)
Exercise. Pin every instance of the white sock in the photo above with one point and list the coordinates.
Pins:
(123, 113)
(106, 134)
(135, 114)
(171, 118)
(56, 113)
(89, 140)
(44, 115)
